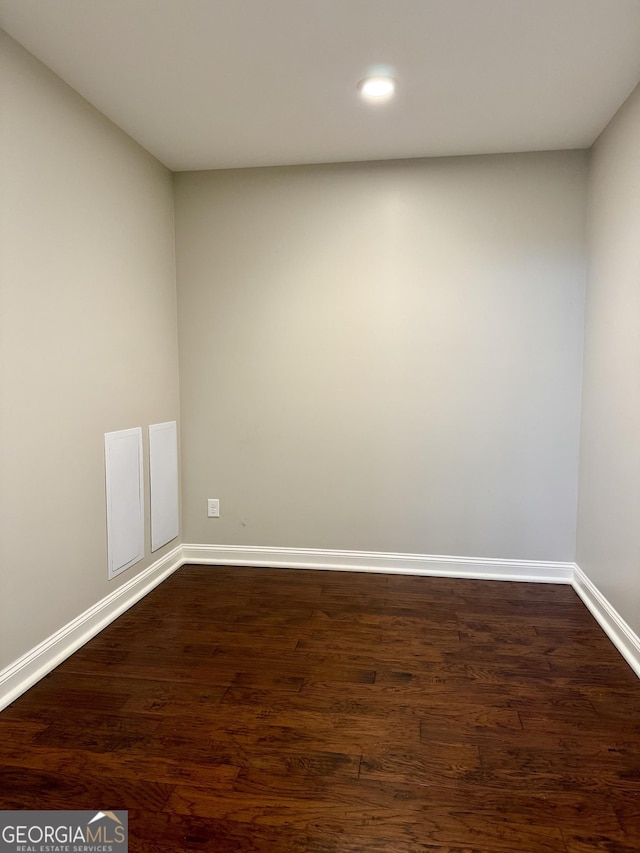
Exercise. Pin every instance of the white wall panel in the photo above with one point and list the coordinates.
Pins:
(163, 476)
(125, 499)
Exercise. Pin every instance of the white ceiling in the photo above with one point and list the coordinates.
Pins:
(206, 84)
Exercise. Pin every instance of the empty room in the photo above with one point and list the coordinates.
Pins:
(320, 426)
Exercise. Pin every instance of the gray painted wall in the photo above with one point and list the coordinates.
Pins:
(609, 505)
(384, 356)
(88, 338)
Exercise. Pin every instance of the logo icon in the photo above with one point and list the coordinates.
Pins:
(111, 815)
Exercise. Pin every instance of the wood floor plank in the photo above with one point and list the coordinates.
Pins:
(586, 842)
(129, 765)
(438, 763)
(23, 788)
(160, 833)
(413, 820)
(243, 709)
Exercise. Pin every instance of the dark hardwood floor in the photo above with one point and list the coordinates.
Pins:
(315, 712)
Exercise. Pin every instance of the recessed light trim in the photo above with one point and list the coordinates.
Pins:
(377, 88)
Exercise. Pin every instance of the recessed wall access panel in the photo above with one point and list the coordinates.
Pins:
(163, 476)
(125, 499)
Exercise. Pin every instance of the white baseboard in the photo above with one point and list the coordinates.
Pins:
(39, 661)
(35, 664)
(372, 561)
(621, 635)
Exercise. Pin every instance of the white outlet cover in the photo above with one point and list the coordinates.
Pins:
(213, 508)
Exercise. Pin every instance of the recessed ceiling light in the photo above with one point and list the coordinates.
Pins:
(377, 88)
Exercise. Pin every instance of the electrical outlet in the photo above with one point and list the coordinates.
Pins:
(213, 508)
